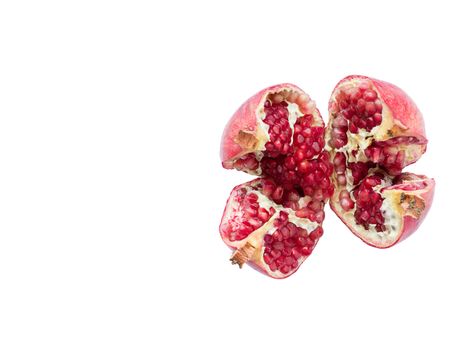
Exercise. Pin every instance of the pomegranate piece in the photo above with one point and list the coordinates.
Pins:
(375, 130)
(273, 223)
(266, 234)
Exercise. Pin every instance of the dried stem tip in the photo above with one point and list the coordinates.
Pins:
(243, 254)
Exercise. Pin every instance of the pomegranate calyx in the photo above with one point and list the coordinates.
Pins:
(407, 204)
(243, 254)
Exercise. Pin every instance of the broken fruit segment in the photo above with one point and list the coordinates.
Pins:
(375, 130)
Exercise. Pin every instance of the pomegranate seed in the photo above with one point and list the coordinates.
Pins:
(296, 253)
(370, 95)
(364, 195)
(370, 108)
(251, 211)
(275, 253)
(379, 106)
(347, 204)
(289, 163)
(304, 167)
(302, 213)
(341, 179)
(263, 214)
(338, 143)
(319, 216)
(353, 128)
(354, 94)
(299, 155)
(277, 236)
(307, 132)
(317, 233)
(278, 245)
(289, 242)
(339, 122)
(289, 260)
(306, 251)
(344, 194)
(287, 251)
(278, 192)
(361, 105)
(365, 216)
(285, 232)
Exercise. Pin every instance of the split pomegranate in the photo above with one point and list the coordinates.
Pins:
(375, 130)
(274, 222)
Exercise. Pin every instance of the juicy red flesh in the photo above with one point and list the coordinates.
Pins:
(359, 170)
(247, 162)
(390, 158)
(358, 108)
(277, 117)
(389, 155)
(296, 171)
(345, 201)
(361, 107)
(287, 244)
(369, 204)
(249, 218)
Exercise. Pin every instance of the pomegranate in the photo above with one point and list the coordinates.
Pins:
(274, 222)
(375, 130)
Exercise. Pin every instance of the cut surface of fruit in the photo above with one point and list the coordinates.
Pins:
(273, 223)
(375, 130)
(264, 233)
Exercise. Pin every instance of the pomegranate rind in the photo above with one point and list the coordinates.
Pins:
(408, 225)
(242, 133)
(403, 109)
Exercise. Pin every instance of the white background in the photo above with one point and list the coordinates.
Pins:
(111, 188)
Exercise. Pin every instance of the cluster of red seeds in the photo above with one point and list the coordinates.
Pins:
(288, 244)
(361, 107)
(315, 177)
(308, 140)
(295, 174)
(369, 204)
(388, 157)
(359, 170)
(277, 117)
(296, 171)
(250, 218)
(246, 162)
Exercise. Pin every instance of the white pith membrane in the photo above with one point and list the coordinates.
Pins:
(252, 247)
(393, 208)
